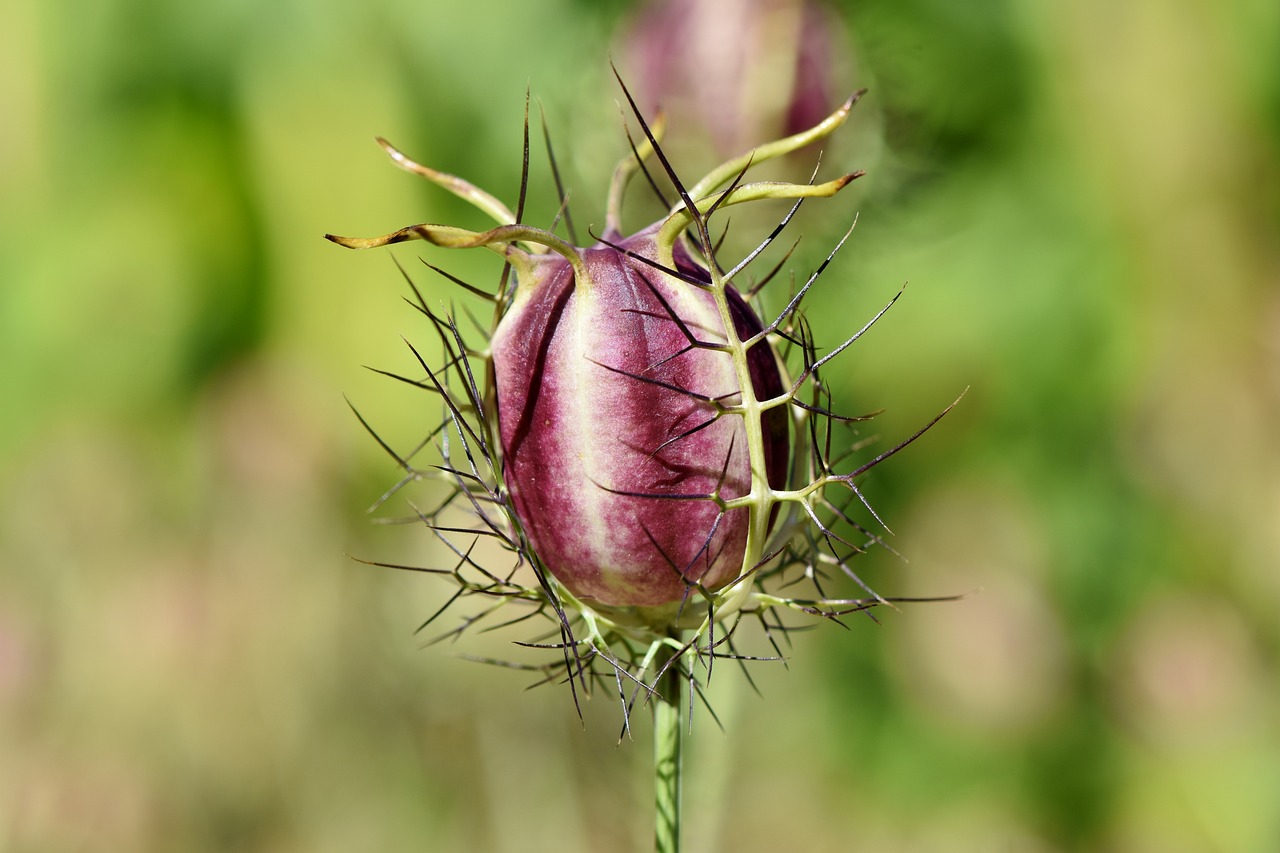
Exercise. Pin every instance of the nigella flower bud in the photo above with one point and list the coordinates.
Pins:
(637, 441)
(610, 385)
(642, 414)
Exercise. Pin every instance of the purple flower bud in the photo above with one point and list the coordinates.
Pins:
(636, 441)
(643, 423)
(744, 69)
(615, 446)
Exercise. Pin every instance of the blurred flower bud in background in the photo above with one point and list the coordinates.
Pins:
(744, 69)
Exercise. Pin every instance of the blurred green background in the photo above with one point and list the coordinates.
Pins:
(1084, 198)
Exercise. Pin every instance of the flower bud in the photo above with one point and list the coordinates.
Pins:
(637, 444)
(744, 70)
(642, 418)
(610, 384)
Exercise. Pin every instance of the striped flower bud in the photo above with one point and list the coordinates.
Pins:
(638, 436)
(612, 379)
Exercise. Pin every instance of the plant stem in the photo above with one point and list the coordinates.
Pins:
(668, 760)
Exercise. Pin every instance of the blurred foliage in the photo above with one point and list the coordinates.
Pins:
(1084, 199)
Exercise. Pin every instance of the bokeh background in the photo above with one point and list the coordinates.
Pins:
(1084, 199)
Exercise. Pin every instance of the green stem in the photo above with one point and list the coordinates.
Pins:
(668, 760)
